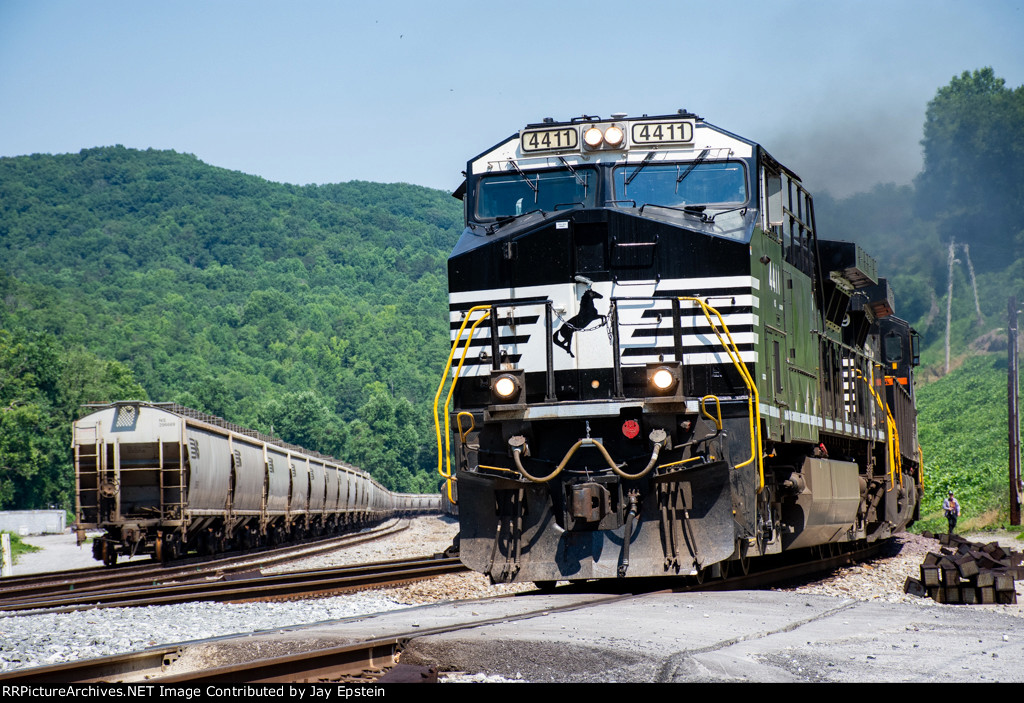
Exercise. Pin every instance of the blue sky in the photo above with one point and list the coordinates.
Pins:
(401, 91)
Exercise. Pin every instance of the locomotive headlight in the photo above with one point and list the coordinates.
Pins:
(663, 379)
(613, 136)
(593, 137)
(507, 385)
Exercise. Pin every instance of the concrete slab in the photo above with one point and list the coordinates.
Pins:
(58, 553)
(743, 636)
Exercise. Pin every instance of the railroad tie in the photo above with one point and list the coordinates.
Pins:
(967, 572)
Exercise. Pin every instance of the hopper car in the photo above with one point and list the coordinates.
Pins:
(164, 480)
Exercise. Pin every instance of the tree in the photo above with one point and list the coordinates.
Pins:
(42, 388)
(973, 177)
(303, 418)
(385, 442)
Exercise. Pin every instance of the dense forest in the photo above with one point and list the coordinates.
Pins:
(317, 313)
(312, 313)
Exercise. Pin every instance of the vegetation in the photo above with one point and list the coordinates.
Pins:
(19, 547)
(963, 432)
(317, 313)
(42, 385)
(307, 312)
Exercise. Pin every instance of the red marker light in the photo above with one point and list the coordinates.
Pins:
(631, 428)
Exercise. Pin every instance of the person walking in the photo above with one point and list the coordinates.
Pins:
(952, 509)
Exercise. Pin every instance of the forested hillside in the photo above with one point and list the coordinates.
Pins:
(308, 312)
(971, 194)
(317, 313)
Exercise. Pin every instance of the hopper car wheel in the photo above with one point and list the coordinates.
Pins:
(723, 567)
(700, 575)
(109, 555)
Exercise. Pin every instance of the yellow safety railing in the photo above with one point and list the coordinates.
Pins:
(753, 399)
(892, 435)
(718, 406)
(444, 460)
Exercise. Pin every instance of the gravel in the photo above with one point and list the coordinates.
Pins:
(52, 638)
(883, 578)
(41, 639)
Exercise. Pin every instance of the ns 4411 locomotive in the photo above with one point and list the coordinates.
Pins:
(658, 367)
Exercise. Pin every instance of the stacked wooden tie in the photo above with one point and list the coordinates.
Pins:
(968, 572)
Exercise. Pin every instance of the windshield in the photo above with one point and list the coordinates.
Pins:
(511, 193)
(678, 185)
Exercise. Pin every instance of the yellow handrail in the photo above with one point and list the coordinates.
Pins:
(892, 436)
(444, 448)
(472, 424)
(753, 399)
(718, 406)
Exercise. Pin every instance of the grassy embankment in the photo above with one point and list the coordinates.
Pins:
(963, 432)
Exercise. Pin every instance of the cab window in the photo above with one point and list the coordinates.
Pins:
(512, 193)
(681, 184)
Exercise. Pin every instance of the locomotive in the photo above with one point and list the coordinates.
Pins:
(658, 367)
(162, 479)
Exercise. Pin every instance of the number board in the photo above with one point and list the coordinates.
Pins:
(549, 139)
(680, 131)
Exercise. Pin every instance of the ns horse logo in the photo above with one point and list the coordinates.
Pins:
(578, 322)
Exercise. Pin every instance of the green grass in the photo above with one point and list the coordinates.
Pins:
(18, 547)
(963, 433)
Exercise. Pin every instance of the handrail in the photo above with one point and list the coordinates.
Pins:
(753, 399)
(472, 424)
(892, 436)
(718, 405)
(444, 468)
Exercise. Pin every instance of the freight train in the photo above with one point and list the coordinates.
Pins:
(163, 480)
(658, 367)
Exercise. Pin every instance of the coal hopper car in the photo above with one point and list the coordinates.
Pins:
(162, 479)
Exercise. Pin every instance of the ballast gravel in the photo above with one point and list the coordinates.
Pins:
(47, 638)
(52, 638)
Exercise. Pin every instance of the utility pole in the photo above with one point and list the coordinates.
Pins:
(949, 297)
(974, 284)
(1013, 418)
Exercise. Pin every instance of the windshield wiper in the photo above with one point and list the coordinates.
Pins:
(741, 208)
(698, 210)
(526, 178)
(502, 220)
(647, 160)
(697, 162)
(579, 179)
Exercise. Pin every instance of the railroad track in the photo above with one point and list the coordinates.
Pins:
(249, 586)
(330, 663)
(36, 587)
(351, 661)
